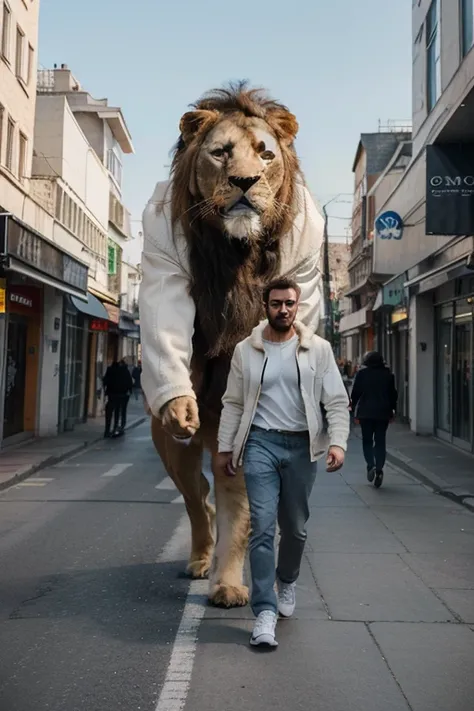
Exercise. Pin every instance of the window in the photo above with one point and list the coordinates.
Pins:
(6, 26)
(2, 113)
(467, 25)
(112, 259)
(114, 166)
(10, 137)
(23, 148)
(20, 53)
(433, 55)
(31, 64)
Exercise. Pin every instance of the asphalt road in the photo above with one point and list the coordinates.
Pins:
(96, 614)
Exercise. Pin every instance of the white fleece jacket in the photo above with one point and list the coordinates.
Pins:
(320, 383)
(167, 310)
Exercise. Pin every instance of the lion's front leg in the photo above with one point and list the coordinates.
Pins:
(183, 465)
(226, 587)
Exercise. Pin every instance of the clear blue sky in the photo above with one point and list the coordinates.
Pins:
(339, 65)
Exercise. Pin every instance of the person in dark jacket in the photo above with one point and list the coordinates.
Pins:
(374, 402)
(118, 385)
(137, 379)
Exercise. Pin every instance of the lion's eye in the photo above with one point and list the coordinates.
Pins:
(267, 155)
(218, 152)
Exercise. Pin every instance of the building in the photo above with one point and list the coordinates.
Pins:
(79, 146)
(374, 153)
(37, 262)
(433, 205)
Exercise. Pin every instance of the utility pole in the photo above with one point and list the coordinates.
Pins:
(329, 328)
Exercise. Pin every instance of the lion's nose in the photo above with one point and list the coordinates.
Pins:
(243, 183)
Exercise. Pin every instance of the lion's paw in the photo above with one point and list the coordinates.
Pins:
(199, 569)
(222, 595)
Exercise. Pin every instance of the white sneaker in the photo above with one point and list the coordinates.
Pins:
(286, 598)
(264, 629)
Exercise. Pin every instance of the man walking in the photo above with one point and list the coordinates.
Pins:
(118, 385)
(272, 423)
(374, 402)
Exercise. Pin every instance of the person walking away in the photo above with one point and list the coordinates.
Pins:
(137, 379)
(118, 385)
(374, 403)
(272, 423)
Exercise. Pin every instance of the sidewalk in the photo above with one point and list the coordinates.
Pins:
(446, 470)
(20, 461)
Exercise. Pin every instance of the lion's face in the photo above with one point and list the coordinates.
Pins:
(239, 171)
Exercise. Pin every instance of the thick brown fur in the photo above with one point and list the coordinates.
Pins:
(228, 266)
(227, 274)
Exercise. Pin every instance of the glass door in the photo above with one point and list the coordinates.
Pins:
(462, 375)
(15, 376)
(444, 324)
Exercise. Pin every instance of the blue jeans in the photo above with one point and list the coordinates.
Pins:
(279, 477)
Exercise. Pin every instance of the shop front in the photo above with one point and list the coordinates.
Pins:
(31, 267)
(454, 392)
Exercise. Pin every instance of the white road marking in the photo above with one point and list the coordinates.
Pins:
(180, 668)
(178, 500)
(166, 485)
(116, 470)
(33, 482)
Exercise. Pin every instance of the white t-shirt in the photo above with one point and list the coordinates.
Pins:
(280, 406)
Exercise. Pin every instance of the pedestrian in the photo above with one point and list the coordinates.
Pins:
(118, 385)
(374, 403)
(137, 379)
(272, 423)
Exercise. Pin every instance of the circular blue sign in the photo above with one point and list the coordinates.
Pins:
(389, 225)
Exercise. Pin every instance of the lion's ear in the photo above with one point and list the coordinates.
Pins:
(193, 122)
(286, 124)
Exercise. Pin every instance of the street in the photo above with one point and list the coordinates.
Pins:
(96, 613)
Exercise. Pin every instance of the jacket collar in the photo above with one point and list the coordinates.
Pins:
(304, 335)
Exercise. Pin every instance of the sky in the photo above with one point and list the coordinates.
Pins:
(339, 65)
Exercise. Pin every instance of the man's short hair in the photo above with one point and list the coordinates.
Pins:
(281, 284)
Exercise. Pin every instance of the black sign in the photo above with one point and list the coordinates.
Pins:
(17, 240)
(450, 189)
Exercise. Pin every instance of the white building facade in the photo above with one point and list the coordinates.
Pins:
(433, 260)
(38, 267)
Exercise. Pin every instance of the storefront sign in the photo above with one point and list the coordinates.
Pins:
(450, 189)
(22, 300)
(389, 225)
(96, 324)
(17, 240)
(394, 292)
(3, 296)
(399, 315)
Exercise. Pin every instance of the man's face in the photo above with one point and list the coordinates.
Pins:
(282, 308)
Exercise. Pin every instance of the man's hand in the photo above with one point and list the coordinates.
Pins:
(180, 417)
(223, 463)
(335, 459)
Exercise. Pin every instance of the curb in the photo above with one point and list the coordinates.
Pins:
(429, 479)
(28, 471)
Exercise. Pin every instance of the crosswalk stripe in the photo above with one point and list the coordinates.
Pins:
(166, 484)
(116, 470)
(178, 500)
(24, 484)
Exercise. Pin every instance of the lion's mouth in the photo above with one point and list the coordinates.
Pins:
(242, 205)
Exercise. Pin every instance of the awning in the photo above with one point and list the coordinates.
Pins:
(435, 272)
(105, 298)
(92, 307)
(126, 324)
(20, 268)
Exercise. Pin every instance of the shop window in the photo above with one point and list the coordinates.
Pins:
(433, 55)
(467, 25)
(112, 259)
(444, 324)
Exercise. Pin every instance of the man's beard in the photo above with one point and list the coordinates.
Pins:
(279, 324)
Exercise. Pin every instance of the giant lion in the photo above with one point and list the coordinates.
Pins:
(234, 214)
